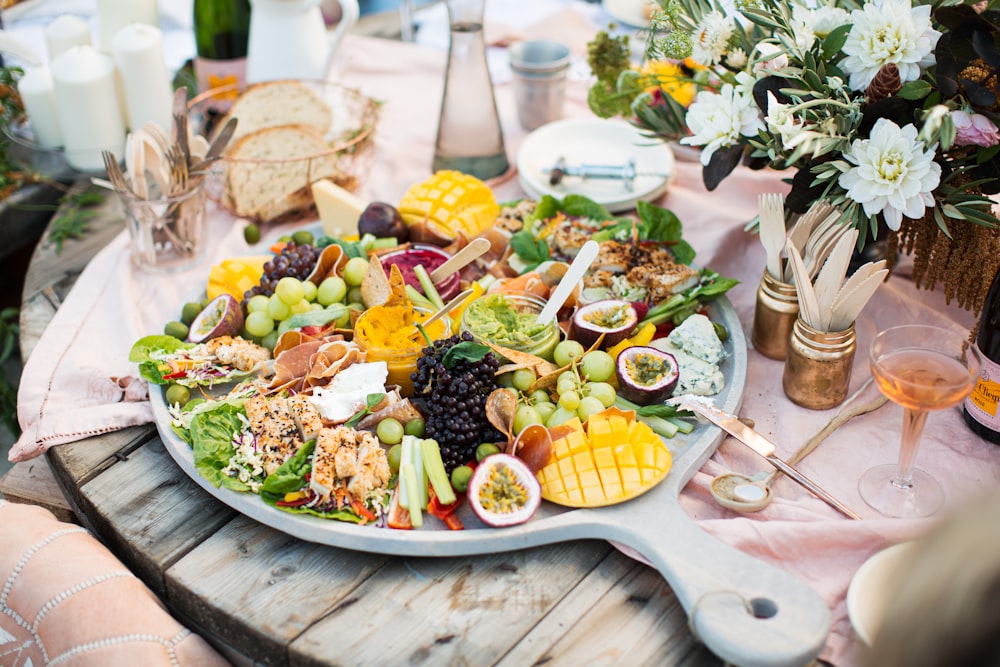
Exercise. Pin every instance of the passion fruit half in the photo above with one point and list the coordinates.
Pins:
(614, 318)
(646, 375)
(503, 491)
(221, 317)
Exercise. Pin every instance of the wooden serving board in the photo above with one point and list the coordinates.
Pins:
(744, 610)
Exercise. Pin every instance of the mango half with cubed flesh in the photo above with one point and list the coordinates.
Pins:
(614, 459)
(447, 203)
(236, 276)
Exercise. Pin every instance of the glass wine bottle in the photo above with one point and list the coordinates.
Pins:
(221, 31)
(980, 408)
(469, 138)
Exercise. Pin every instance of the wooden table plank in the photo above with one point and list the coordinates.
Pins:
(150, 512)
(434, 611)
(260, 588)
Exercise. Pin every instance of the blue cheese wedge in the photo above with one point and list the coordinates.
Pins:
(698, 352)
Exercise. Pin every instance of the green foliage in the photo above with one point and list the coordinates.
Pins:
(9, 331)
(74, 221)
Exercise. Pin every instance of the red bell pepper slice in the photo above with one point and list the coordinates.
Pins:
(293, 503)
(399, 516)
(445, 513)
(362, 511)
(174, 376)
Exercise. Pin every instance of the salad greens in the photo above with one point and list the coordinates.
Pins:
(212, 434)
(292, 476)
(148, 351)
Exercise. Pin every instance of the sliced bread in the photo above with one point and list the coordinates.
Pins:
(274, 103)
(269, 173)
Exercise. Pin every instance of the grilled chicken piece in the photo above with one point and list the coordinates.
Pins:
(237, 352)
(344, 456)
(306, 416)
(271, 421)
(372, 469)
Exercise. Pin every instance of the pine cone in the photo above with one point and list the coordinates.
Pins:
(885, 84)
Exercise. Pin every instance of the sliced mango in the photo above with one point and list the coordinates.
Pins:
(613, 459)
(235, 276)
(451, 202)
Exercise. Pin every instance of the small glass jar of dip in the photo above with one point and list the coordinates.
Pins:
(430, 257)
(387, 333)
(508, 320)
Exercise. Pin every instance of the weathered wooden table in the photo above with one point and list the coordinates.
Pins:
(264, 597)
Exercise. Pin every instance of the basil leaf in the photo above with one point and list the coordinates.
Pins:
(464, 351)
(531, 250)
(372, 400)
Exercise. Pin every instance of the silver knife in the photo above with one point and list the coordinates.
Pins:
(758, 443)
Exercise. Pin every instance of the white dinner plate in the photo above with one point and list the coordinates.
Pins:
(869, 590)
(632, 13)
(595, 141)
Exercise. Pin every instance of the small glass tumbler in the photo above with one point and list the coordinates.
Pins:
(774, 316)
(167, 234)
(818, 367)
(539, 69)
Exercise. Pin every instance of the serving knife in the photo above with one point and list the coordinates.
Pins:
(758, 443)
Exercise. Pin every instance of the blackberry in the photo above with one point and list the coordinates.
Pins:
(296, 261)
(454, 400)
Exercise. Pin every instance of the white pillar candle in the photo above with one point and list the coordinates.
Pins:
(39, 100)
(113, 15)
(90, 114)
(138, 52)
(65, 32)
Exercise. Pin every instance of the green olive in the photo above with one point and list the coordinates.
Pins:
(251, 233)
(178, 394)
(460, 477)
(176, 329)
(486, 449)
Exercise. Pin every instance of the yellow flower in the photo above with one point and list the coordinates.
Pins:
(673, 78)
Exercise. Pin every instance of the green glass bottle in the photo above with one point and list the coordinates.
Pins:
(221, 32)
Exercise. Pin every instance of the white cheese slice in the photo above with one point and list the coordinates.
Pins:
(696, 336)
(349, 389)
(338, 209)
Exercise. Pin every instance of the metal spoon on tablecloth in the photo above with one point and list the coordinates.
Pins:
(744, 493)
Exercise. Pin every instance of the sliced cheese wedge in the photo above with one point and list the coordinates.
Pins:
(338, 209)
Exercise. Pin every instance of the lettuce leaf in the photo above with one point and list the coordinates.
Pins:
(290, 477)
(143, 349)
(212, 444)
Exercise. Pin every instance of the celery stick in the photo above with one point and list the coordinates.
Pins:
(366, 242)
(418, 467)
(660, 426)
(405, 456)
(418, 299)
(428, 285)
(436, 472)
(683, 425)
(408, 473)
(386, 242)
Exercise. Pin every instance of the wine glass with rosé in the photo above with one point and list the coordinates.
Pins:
(921, 368)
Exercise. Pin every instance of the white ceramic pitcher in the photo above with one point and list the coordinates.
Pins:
(289, 40)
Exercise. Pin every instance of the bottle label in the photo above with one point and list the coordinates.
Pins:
(218, 73)
(982, 403)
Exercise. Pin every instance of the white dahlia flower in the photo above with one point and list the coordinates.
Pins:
(718, 119)
(711, 38)
(894, 173)
(889, 31)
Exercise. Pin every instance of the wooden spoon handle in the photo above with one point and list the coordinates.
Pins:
(460, 259)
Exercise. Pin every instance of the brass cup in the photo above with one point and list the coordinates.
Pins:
(775, 314)
(818, 367)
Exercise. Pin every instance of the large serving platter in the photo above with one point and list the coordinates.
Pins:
(745, 610)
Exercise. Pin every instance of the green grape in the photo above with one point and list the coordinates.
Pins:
(302, 306)
(354, 295)
(569, 400)
(309, 290)
(278, 309)
(525, 416)
(505, 380)
(588, 406)
(460, 477)
(389, 431)
(269, 340)
(545, 410)
(303, 237)
(414, 427)
(257, 302)
(566, 351)
(394, 454)
(356, 305)
(344, 319)
(315, 306)
(289, 290)
(559, 416)
(190, 311)
(539, 396)
(524, 378)
(486, 449)
(602, 391)
(354, 271)
(331, 290)
(259, 324)
(566, 384)
(177, 394)
(597, 366)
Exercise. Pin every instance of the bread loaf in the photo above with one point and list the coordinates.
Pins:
(275, 103)
(267, 175)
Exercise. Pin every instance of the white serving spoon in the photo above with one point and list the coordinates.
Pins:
(582, 262)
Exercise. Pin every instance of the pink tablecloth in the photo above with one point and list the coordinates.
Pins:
(67, 392)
